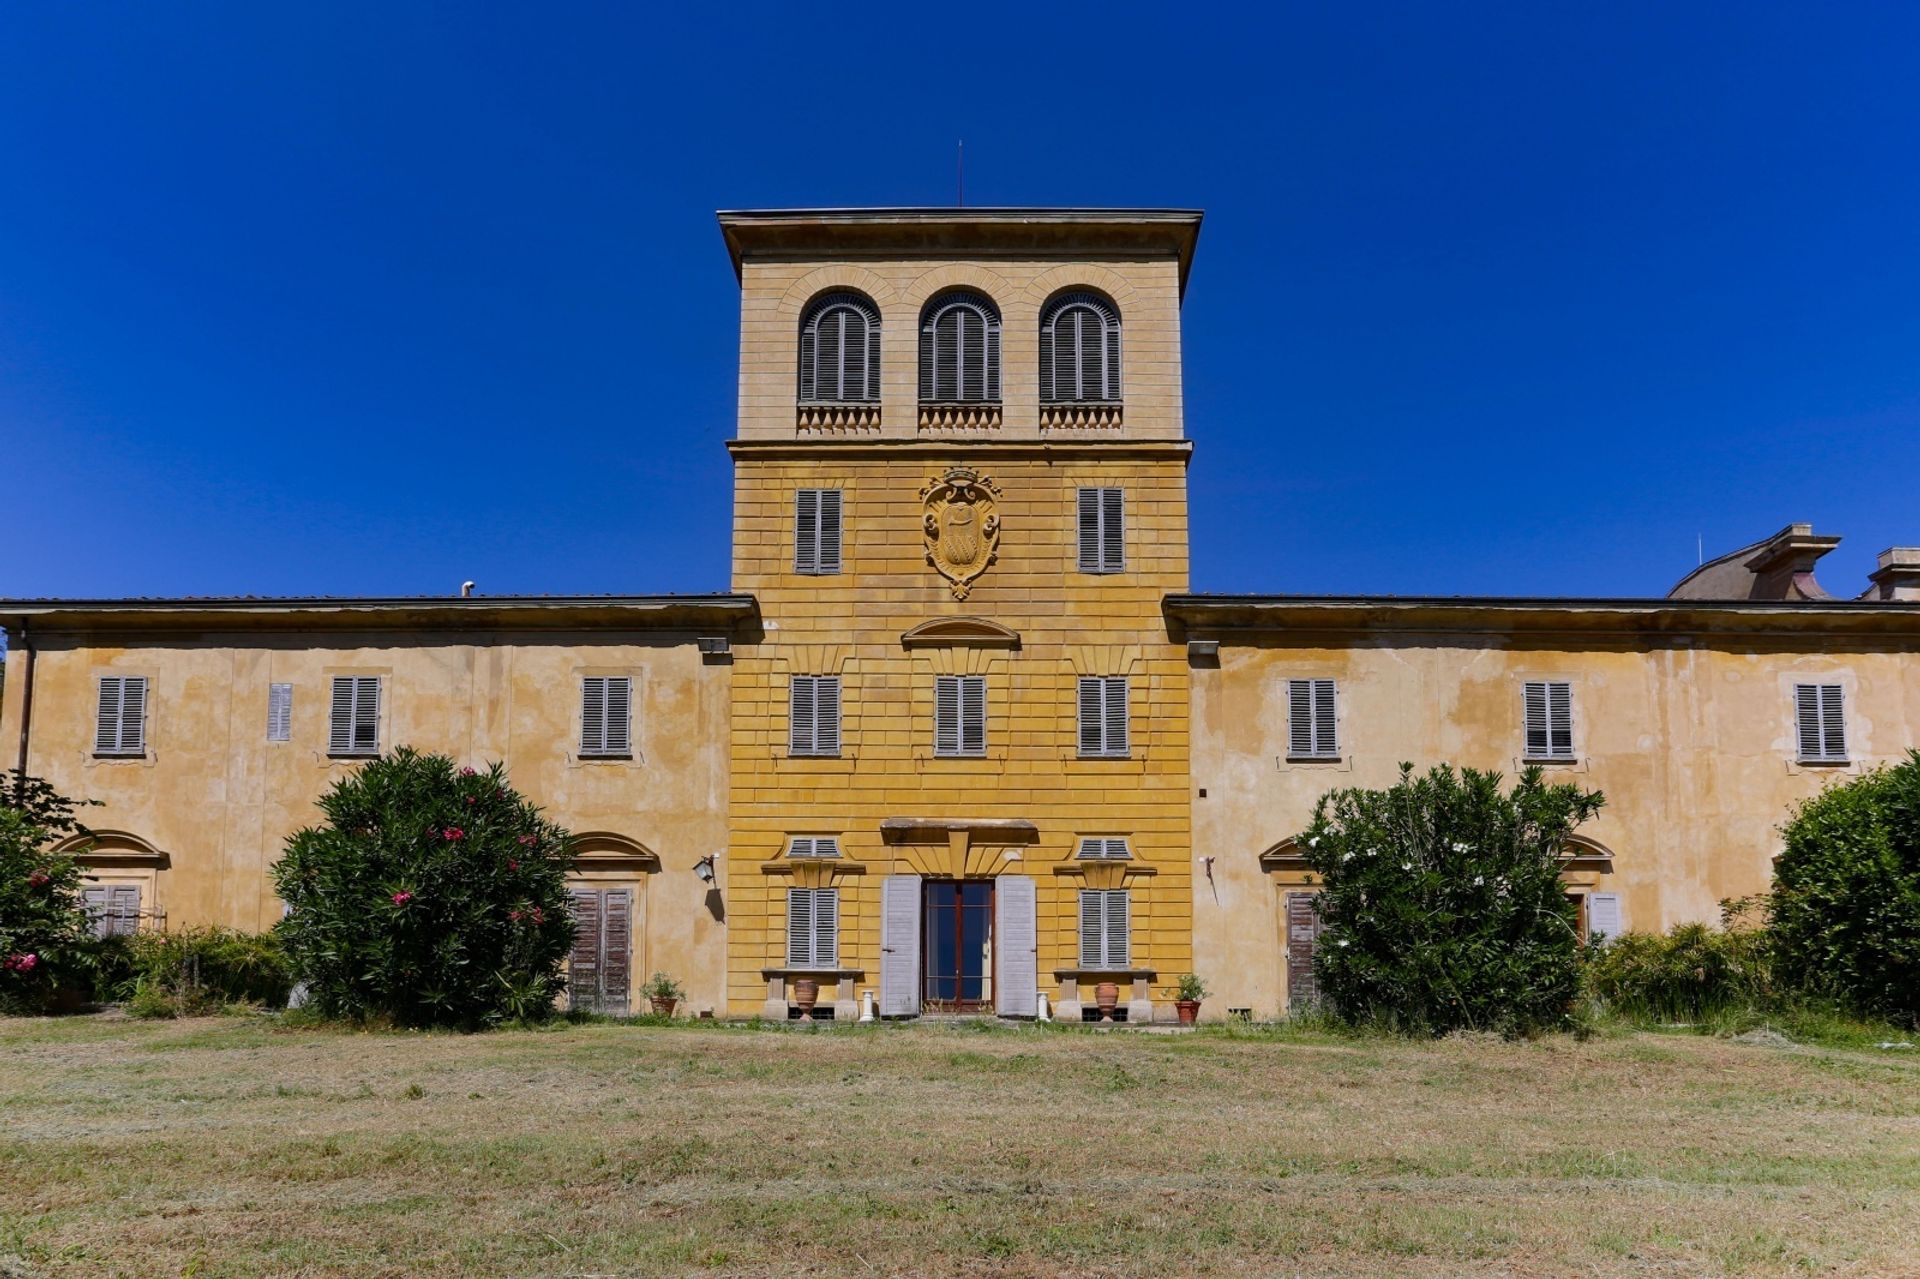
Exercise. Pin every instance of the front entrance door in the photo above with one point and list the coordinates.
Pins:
(600, 968)
(957, 944)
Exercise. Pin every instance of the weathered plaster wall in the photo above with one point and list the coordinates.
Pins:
(219, 798)
(1693, 744)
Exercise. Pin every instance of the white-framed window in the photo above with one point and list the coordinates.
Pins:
(813, 715)
(353, 718)
(814, 846)
(1103, 530)
(813, 927)
(120, 716)
(960, 715)
(1103, 848)
(1313, 722)
(1104, 928)
(279, 712)
(606, 715)
(1103, 716)
(1820, 718)
(816, 531)
(1547, 707)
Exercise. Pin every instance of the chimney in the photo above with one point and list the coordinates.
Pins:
(1783, 569)
(1898, 577)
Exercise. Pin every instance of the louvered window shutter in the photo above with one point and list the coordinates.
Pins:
(353, 726)
(94, 902)
(1112, 341)
(827, 543)
(800, 846)
(799, 928)
(806, 531)
(279, 712)
(1821, 717)
(973, 715)
(1112, 531)
(831, 360)
(826, 927)
(1079, 350)
(619, 715)
(946, 715)
(120, 716)
(1089, 530)
(593, 715)
(800, 718)
(1111, 849)
(809, 362)
(1603, 914)
(1116, 715)
(1119, 927)
(1092, 719)
(1548, 706)
(583, 963)
(826, 710)
(1312, 719)
(1048, 377)
(1093, 928)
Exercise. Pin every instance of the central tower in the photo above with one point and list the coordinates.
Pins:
(959, 773)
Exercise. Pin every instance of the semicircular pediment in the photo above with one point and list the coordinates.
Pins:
(607, 848)
(979, 632)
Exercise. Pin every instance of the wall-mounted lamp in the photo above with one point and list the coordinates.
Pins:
(704, 869)
(1206, 863)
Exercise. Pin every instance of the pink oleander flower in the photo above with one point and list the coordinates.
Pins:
(512, 864)
(514, 916)
(466, 772)
(471, 801)
(527, 839)
(22, 963)
(453, 832)
(402, 898)
(37, 880)
(539, 916)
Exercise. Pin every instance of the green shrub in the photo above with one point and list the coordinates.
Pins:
(204, 970)
(1846, 896)
(432, 896)
(1693, 973)
(45, 933)
(1442, 907)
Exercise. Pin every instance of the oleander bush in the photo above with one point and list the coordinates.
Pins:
(1442, 907)
(432, 895)
(1694, 973)
(1846, 895)
(45, 934)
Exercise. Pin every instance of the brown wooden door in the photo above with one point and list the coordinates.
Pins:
(601, 967)
(1303, 933)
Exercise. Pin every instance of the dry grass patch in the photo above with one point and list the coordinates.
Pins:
(237, 1147)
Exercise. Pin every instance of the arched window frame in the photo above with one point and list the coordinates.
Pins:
(956, 367)
(1080, 350)
(854, 376)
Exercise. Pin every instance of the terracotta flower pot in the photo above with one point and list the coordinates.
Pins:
(1188, 1009)
(1106, 997)
(664, 1007)
(806, 993)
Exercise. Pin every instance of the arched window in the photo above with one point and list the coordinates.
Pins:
(840, 350)
(1079, 350)
(960, 350)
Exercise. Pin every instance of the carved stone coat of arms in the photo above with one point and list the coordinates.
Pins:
(962, 526)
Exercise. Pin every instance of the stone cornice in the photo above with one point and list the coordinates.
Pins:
(972, 450)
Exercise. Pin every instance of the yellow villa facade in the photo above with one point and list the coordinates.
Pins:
(959, 739)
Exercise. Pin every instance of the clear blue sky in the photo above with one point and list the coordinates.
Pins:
(370, 299)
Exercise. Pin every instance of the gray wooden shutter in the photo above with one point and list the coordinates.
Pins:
(1119, 928)
(93, 900)
(900, 946)
(616, 950)
(366, 714)
(1821, 717)
(827, 540)
(593, 715)
(799, 928)
(826, 712)
(1116, 715)
(1303, 934)
(1016, 944)
(1093, 734)
(1089, 513)
(806, 531)
(973, 715)
(809, 359)
(800, 706)
(826, 927)
(619, 715)
(946, 715)
(1099, 848)
(1548, 707)
(340, 717)
(1534, 700)
(1113, 540)
(123, 907)
(279, 712)
(583, 966)
(1104, 928)
(1312, 719)
(120, 716)
(1603, 914)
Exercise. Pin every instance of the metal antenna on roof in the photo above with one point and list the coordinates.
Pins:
(960, 160)
(1699, 549)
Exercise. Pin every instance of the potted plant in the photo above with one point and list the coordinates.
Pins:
(664, 993)
(1187, 997)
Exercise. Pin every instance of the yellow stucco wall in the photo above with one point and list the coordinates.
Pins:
(219, 798)
(1692, 743)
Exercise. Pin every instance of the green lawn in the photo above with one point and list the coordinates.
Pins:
(238, 1147)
